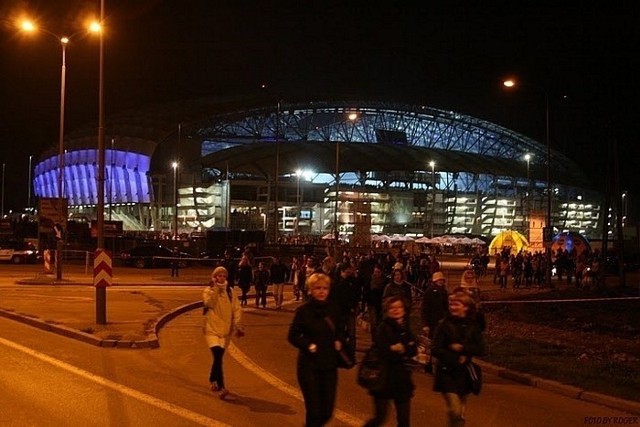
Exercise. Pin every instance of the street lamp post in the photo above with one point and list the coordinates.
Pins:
(433, 200)
(4, 165)
(527, 158)
(174, 165)
(353, 116)
(29, 184)
(276, 176)
(548, 230)
(298, 173)
(29, 26)
(111, 167)
(336, 233)
(101, 291)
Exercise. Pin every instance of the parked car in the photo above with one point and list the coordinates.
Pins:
(152, 256)
(18, 252)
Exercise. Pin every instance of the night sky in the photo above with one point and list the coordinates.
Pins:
(451, 55)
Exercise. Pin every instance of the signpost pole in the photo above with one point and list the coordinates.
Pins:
(59, 248)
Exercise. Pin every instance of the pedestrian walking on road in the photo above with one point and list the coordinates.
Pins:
(400, 287)
(374, 299)
(175, 262)
(457, 339)
(396, 346)
(244, 276)
(435, 304)
(222, 316)
(315, 331)
(261, 281)
(345, 294)
(278, 278)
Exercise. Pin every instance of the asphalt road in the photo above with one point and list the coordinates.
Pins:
(50, 380)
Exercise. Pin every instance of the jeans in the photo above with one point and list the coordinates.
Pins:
(261, 296)
(455, 407)
(278, 294)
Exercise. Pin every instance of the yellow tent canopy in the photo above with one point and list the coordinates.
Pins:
(511, 239)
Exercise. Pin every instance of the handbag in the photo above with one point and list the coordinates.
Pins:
(474, 374)
(372, 371)
(345, 358)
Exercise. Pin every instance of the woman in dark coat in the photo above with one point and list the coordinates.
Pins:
(396, 346)
(244, 275)
(457, 339)
(316, 330)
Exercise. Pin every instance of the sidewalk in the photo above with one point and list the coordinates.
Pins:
(134, 316)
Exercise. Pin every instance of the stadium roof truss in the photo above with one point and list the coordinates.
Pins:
(375, 137)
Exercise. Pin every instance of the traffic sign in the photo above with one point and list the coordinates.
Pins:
(52, 211)
(102, 269)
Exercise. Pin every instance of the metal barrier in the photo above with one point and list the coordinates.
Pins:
(77, 255)
(214, 261)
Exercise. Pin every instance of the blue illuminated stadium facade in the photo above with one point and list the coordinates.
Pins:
(129, 179)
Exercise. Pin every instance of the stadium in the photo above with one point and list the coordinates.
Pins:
(349, 169)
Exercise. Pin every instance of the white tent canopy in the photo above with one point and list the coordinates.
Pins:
(451, 240)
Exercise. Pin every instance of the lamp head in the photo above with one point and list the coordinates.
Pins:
(28, 26)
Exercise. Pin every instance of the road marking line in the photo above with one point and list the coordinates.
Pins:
(276, 382)
(142, 397)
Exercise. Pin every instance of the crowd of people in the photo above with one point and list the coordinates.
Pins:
(382, 287)
(528, 269)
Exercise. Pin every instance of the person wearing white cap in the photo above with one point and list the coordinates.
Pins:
(435, 306)
(222, 315)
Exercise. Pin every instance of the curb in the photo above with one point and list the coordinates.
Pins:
(63, 282)
(562, 389)
(151, 342)
(552, 386)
